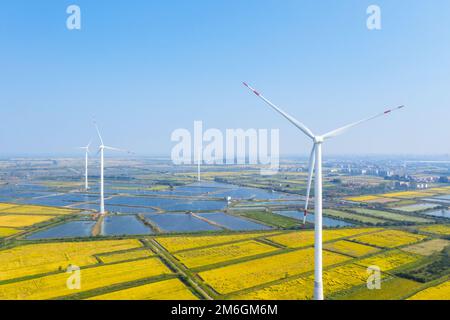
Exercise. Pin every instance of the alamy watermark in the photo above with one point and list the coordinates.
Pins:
(236, 146)
(73, 282)
(373, 21)
(73, 21)
(374, 279)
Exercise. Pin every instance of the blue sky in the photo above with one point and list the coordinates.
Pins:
(145, 68)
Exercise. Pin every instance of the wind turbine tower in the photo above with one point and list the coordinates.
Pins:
(86, 174)
(101, 150)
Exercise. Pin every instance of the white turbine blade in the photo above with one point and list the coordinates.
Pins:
(98, 132)
(294, 121)
(312, 161)
(341, 130)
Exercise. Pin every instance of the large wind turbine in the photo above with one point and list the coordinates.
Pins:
(315, 166)
(86, 177)
(101, 150)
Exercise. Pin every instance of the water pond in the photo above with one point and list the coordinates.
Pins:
(73, 229)
(180, 222)
(124, 225)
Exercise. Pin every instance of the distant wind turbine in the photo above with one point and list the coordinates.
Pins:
(315, 166)
(101, 150)
(86, 178)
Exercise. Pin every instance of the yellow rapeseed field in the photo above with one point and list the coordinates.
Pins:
(296, 289)
(5, 232)
(35, 259)
(174, 244)
(127, 255)
(406, 194)
(55, 286)
(403, 194)
(18, 221)
(172, 289)
(334, 280)
(4, 206)
(350, 248)
(392, 288)
(439, 292)
(343, 278)
(42, 210)
(389, 238)
(389, 260)
(440, 229)
(255, 272)
(306, 238)
(362, 198)
(212, 255)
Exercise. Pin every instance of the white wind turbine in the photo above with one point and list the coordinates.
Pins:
(315, 166)
(101, 150)
(86, 177)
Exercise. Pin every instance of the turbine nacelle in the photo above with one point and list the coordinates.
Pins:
(318, 139)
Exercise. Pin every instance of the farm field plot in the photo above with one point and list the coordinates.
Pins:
(353, 217)
(390, 215)
(306, 238)
(54, 286)
(416, 207)
(408, 194)
(400, 203)
(252, 273)
(296, 289)
(389, 238)
(335, 280)
(350, 248)
(390, 260)
(343, 278)
(392, 288)
(442, 229)
(18, 221)
(428, 248)
(28, 260)
(383, 201)
(212, 255)
(38, 210)
(439, 292)
(363, 198)
(174, 244)
(6, 232)
(271, 218)
(172, 289)
(124, 256)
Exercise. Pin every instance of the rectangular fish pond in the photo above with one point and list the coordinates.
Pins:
(233, 223)
(124, 225)
(73, 229)
(179, 222)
